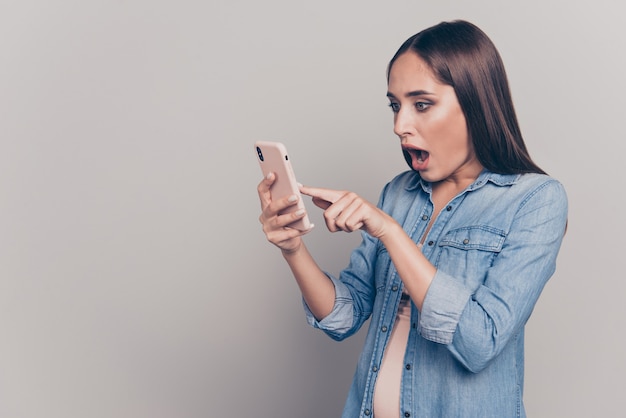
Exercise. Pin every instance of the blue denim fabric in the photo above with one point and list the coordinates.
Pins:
(495, 247)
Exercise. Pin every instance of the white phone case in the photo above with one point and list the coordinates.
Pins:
(273, 157)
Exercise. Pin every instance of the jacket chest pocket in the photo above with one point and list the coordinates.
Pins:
(467, 253)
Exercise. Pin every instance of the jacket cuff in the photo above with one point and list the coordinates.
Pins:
(341, 318)
(442, 308)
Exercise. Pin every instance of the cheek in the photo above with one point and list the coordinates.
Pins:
(449, 144)
(446, 132)
(453, 133)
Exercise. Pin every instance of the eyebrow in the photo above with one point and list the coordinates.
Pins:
(413, 93)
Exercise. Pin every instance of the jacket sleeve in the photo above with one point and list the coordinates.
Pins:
(476, 324)
(354, 294)
(355, 289)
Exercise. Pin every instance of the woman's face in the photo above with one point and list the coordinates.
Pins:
(430, 123)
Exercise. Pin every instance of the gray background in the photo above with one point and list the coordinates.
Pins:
(135, 280)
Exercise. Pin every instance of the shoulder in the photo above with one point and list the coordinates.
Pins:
(539, 192)
(515, 192)
(532, 184)
(398, 193)
(524, 184)
(407, 180)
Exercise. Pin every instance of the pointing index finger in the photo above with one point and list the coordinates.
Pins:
(329, 195)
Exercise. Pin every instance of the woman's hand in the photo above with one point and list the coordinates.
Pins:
(275, 226)
(346, 211)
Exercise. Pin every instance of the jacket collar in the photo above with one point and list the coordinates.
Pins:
(484, 177)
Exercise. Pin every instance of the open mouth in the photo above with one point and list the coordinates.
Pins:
(415, 158)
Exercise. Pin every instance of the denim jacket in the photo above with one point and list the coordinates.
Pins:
(494, 246)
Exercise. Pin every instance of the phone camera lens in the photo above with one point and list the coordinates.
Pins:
(258, 151)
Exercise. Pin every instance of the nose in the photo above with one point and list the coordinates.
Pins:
(403, 123)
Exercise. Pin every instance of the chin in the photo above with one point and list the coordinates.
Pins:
(429, 177)
(426, 177)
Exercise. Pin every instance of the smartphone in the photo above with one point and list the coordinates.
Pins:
(273, 157)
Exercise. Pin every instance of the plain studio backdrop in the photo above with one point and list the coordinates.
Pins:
(135, 280)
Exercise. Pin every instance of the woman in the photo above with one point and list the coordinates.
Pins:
(455, 254)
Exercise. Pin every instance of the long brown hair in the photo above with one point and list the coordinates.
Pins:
(462, 56)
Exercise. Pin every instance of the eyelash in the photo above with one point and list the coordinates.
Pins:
(420, 106)
(424, 105)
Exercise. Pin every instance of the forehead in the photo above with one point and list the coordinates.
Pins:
(409, 71)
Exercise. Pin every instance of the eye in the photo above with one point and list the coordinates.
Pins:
(395, 107)
(422, 106)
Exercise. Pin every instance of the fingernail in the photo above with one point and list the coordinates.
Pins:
(269, 176)
(300, 212)
(300, 184)
(293, 198)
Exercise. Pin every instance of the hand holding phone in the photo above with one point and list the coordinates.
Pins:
(273, 158)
